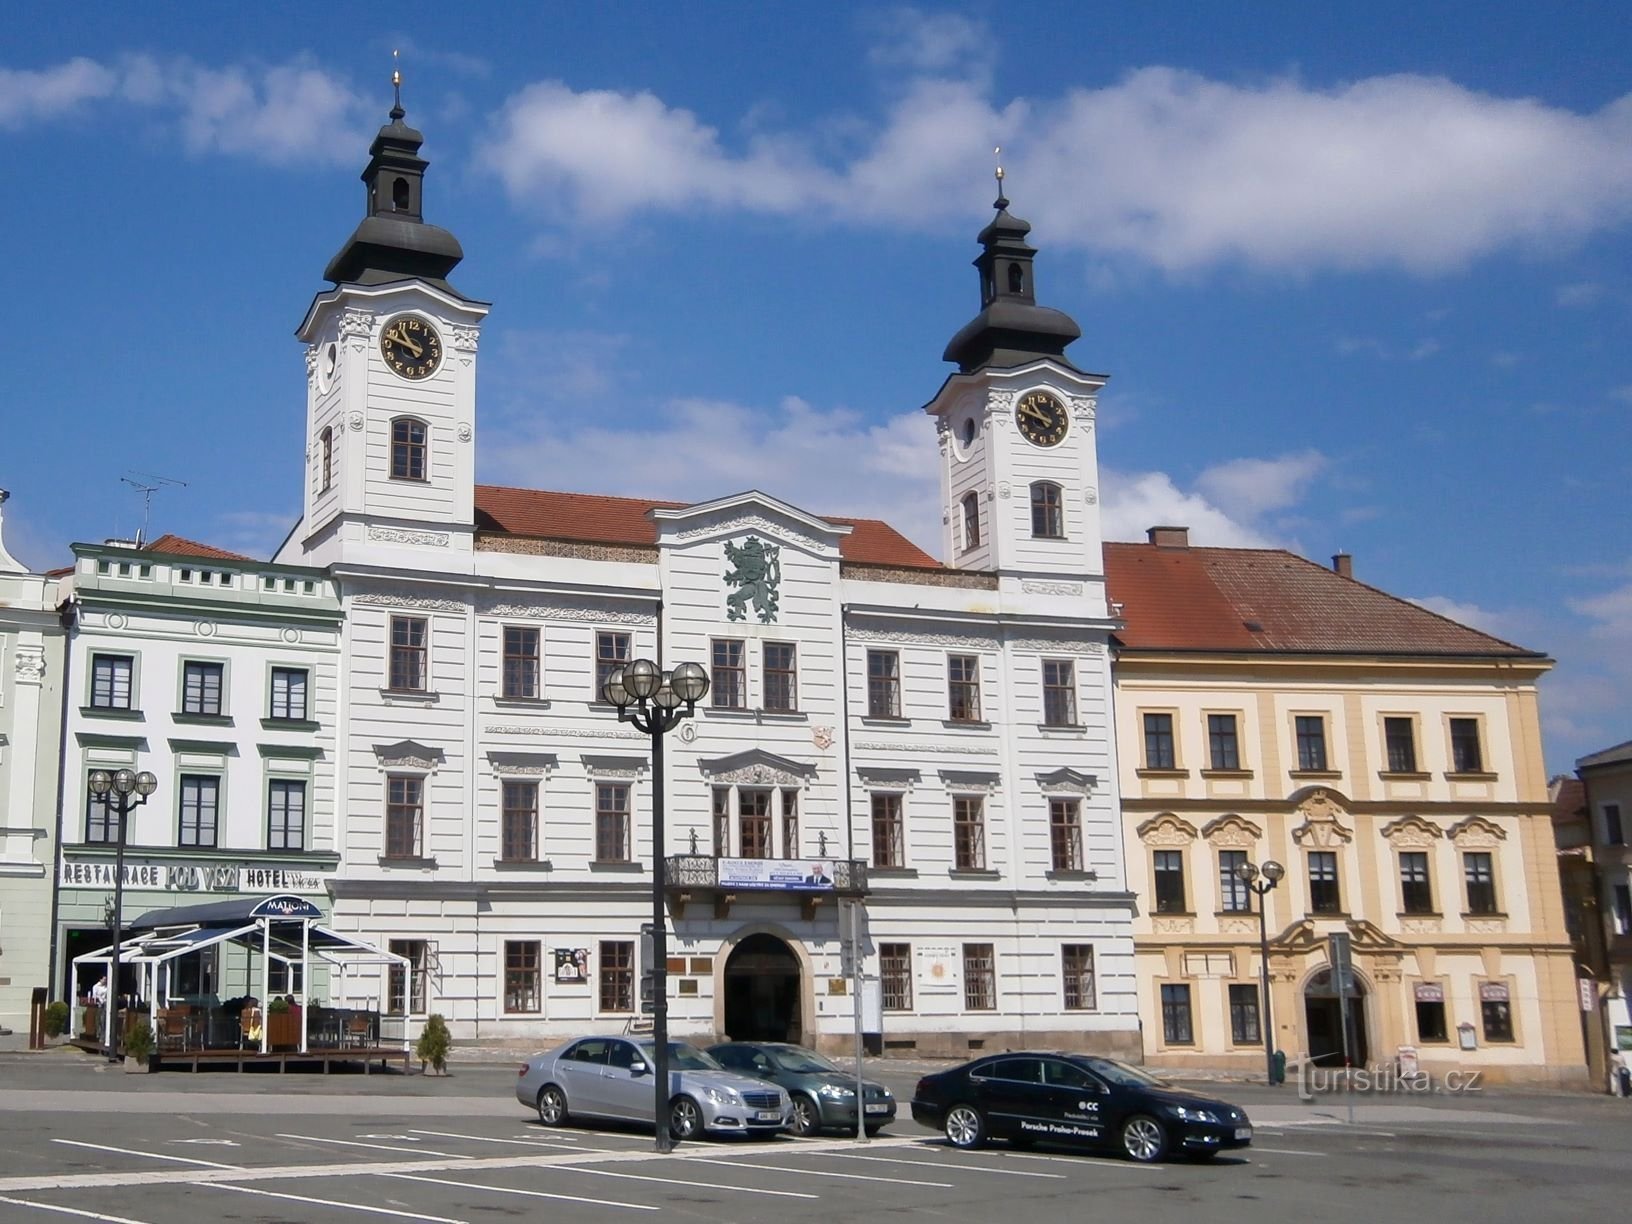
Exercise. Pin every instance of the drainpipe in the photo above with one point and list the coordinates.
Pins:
(68, 617)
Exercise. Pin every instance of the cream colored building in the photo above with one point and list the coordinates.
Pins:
(1268, 708)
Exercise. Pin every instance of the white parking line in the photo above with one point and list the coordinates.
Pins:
(897, 1181)
(489, 1139)
(1287, 1151)
(925, 1164)
(73, 1211)
(378, 1147)
(1082, 1162)
(301, 1198)
(569, 1198)
(670, 1181)
(103, 1147)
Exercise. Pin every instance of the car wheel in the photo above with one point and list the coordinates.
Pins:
(685, 1118)
(807, 1117)
(552, 1106)
(1144, 1139)
(873, 1130)
(965, 1128)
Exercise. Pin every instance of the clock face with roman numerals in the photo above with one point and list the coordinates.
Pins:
(1042, 418)
(411, 346)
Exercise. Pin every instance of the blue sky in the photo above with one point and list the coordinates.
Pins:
(1358, 272)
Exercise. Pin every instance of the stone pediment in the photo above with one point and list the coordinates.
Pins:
(1322, 826)
(1167, 830)
(1306, 934)
(1411, 832)
(1477, 832)
(522, 764)
(756, 767)
(408, 754)
(749, 512)
(1066, 782)
(1232, 832)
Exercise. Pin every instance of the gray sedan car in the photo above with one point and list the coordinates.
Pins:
(611, 1077)
(824, 1095)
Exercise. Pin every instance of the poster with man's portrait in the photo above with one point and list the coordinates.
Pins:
(572, 964)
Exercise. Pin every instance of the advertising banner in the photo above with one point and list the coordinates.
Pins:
(804, 875)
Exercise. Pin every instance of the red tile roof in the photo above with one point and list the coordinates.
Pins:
(1571, 801)
(592, 518)
(1261, 599)
(180, 546)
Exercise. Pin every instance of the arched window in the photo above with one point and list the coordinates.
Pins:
(1047, 511)
(327, 458)
(399, 195)
(971, 520)
(408, 447)
(1017, 279)
(969, 431)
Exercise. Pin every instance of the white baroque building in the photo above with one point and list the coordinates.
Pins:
(923, 748)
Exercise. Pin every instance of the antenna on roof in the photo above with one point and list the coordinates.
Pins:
(147, 484)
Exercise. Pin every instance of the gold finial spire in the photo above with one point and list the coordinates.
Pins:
(396, 83)
(1002, 201)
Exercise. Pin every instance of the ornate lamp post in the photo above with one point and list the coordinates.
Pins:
(656, 701)
(123, 791)
(1263, 881)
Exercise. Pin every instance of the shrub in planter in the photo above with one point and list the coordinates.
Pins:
(434, 1043)
(139, 1043)
(56, 1019)
(278, 1005)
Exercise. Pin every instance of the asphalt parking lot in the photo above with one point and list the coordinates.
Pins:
(77, 1141)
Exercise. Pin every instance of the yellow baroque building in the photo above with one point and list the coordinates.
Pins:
(1271, 709)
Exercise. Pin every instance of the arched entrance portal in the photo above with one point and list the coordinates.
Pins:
(1323, 1017)
(762, 984)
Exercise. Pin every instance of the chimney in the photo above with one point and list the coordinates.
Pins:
(1169, 537)
(1343, 565)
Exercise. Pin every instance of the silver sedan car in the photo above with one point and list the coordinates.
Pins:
(611, 1077)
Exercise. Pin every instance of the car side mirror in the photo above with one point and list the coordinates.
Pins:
(637, 1068)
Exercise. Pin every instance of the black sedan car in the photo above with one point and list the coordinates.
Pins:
(1075, 1100)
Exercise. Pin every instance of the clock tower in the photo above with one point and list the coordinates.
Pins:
(1019, 472)
(391, 377)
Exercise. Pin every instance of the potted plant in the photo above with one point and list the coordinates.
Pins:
(138, 1046)
(282, 1025)
(434, 1043)
(56, 1019)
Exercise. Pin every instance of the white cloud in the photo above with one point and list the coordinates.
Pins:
(926, 42)
(1425, 348)
(278, 113)
(255, 533)
(1133, 502)
(1624, 394)
(1584, 293)
(1164, 166)
(1248, 489)
(1463, 613)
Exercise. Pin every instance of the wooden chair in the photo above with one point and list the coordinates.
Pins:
(175, 1028)
(359, 1033)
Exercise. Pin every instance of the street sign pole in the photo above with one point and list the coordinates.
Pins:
(1340, 950)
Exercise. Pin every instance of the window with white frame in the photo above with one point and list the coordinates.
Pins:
(201, 685)
(969, 832)
(111, 677)
(1059, 693)
(963, 688)
(1065, 834)
(286, 814)
(200, 809)
(288, 694)
(889, 833)
(728, 686)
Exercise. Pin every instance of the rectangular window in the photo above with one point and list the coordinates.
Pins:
(729, 683)
(1431, 1026)
(1466, 756)
(1159, 741)
(405, 986)
(611, 653)
(722, 822)
(1496, 1011)
(523, 976)
(753, 823)
(611, 823)
(101, 818)
(200, 809)
(520, 662)
(519, 822)
(288, 694)
(201, 687)
(969, 833)
(1623, 909)
(1059, 693)
(110, 681)
(790, 824)
(1233, 894)
(286, 814)
(327, 439)
(617, 975)
(963, 688)
(1478, 870)
(883, 684)
(1224, 750)
(404, 812)
(408, 634)
(1244, 1028)
(971, 520)
(979, 977)
(1065, 834)
(1047, 511)
(407, 449)
(1176, 1028)
(1324, 897)
(1614, 835)
(895, 975)
(781, 677)
(1416, 892)
(1400, 739)
(1170, 882)
(1077, 973)
(1311, 729)
(889, 833)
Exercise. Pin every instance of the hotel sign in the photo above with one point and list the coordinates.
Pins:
(191, 877)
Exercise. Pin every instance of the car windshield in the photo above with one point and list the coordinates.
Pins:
(803, 1062)
(682, 1057)
(1121, 1074)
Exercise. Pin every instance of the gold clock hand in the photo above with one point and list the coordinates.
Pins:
(1031, 410)
(399, 336)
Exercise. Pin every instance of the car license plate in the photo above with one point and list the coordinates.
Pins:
(1243, 1132)
(767, 1115)
(880, 1108)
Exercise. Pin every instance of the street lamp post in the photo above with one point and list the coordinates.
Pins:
(124, 791)
(1262, 882)
(656, 701)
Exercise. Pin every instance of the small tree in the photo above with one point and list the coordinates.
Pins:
(279, 1004)
(56, 1019)
(139, 1041)
(434, 1043)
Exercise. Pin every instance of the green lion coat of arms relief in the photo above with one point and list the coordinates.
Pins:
(755, 573)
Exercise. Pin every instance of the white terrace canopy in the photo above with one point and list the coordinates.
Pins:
(280, 928)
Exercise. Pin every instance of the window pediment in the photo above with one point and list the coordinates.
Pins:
(1411, 833)
(1232, 831)
(1322, 826)
(1066, 782)
(1476, 833)
(408, 754)
(756, 767)
(1167, 830)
